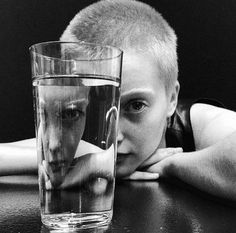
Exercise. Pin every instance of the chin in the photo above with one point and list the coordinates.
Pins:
(123, 171)
(57, 176)
(56, 180)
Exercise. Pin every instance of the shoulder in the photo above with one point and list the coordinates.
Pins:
(211, 123)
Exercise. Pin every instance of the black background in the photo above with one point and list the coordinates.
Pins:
(206, 31)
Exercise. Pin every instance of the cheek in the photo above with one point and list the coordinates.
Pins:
(71, 137)
(150, 133)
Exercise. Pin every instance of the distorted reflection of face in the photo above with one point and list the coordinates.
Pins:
(62, 117)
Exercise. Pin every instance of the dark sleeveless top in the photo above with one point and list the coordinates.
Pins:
(179, 131)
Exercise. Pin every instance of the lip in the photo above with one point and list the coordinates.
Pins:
(121, 157)
(57, 165)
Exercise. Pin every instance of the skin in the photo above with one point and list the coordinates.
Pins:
(210, 168)
(145, 107)
(141, 144)
(62, 114)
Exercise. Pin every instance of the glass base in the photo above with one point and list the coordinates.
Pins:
(73, 221)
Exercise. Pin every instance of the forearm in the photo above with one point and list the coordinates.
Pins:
(99, 164)
(18, 158)
(212, 169)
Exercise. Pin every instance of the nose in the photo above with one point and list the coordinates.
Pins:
(120, 133)
(54, 143)
(120, 136)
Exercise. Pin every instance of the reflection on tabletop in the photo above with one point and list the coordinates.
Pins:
(95, 230)
(145, 207)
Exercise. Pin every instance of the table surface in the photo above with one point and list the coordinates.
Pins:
(145, 207)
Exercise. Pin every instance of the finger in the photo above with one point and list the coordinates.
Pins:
(161, 154)
(44, 179)
(162, 167)
(138, 175)
(101, 163)
(48, 185)
(165, 152)
(44, 165)
(40, 149)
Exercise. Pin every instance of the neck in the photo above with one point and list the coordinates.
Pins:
(163, 139)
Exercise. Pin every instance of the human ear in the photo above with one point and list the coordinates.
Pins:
(173, 99)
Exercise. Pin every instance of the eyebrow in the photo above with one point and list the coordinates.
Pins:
(78, 101)
(137, 91)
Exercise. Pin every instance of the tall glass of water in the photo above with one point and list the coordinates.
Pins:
(76, 89)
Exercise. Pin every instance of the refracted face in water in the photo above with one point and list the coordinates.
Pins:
(62, 117)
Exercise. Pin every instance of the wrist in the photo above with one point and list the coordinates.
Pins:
(173, 165)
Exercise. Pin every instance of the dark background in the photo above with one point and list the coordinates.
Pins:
(206, 31)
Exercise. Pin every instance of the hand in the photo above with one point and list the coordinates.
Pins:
(155, 165)
(43, 176)
(99, 164)
(42, 170)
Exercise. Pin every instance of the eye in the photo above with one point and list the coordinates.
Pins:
(71, 114)
(135, 106)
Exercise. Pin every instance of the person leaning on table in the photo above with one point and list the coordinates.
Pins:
(158, 136)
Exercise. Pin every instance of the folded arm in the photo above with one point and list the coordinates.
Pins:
(214, 131)
(212, 167)
(98, 164)
(18, 158)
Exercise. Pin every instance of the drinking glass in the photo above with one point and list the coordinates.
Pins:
(76, 91)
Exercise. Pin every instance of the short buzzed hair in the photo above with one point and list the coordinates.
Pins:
(128, 24)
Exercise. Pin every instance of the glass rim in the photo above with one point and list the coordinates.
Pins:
(119, 51)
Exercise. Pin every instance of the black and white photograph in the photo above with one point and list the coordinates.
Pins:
(118, 116)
